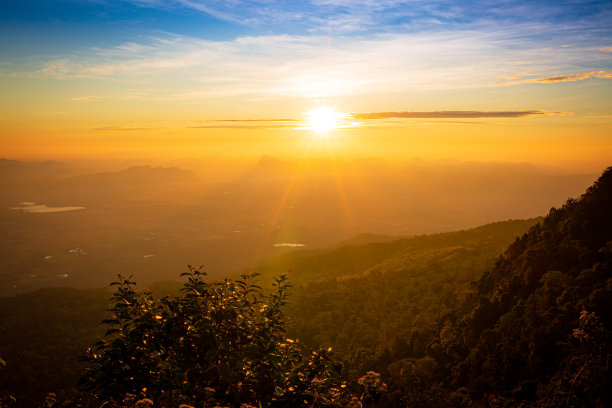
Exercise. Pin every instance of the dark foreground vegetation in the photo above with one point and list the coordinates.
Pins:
(533, 330)
(47, 330)
(218, 344)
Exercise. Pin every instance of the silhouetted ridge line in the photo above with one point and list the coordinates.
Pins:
(521, 340)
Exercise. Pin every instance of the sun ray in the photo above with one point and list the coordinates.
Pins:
(282, 204)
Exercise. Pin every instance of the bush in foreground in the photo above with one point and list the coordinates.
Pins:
(218, 344)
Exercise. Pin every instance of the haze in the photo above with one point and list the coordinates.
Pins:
(141, 135)
(64, 225)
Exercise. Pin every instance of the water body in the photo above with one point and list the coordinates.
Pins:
(30, 207)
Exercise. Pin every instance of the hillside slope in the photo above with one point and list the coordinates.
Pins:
(533, 330)
(354, 260)
(46, 330)
(380, 302)
(538, 325)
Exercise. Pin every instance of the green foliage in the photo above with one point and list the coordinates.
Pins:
(532, 331)
(42, 335)
(376, 317)
(400, 255)
(220, 343)
(536, 327)
(583, 377)
(506, 339)
(391, 307)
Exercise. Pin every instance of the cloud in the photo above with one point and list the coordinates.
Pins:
(302, 66)
(512, 77)
(57, 68)
(264, 123)
(251, 120)
(350, 16)
(453, 114)
(251, 127)
(575, 77)
(86, 98)
(561, 78)
(337, 16)
(350, 119)
(124, 128)
(247, 123)
(173, 67)
(596, 116)
(210, 124)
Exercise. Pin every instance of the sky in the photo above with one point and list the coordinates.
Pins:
(482, 80)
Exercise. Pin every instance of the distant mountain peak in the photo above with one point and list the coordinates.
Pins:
(141, 174)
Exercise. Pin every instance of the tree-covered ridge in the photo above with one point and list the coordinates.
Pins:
(46, 330)
(386, 316)
(533, 330)
(42, 335)
(537, 326)
(356, 260)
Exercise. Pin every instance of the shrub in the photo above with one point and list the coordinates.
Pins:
(219, 344)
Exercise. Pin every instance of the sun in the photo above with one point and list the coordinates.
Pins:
(323, 119)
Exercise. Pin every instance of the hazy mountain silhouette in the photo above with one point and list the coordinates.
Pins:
(135, 175)
(154, 218)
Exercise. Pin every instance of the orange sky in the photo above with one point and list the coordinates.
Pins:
(225, 81)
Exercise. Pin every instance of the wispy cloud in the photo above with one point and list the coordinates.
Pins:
(351, 120)
(560, 78)
(86, 98)
(321, 66)
(235, 126)
(575, 77)
(338, 16)
(124, 128)
(455, 114)
(268, 123)
(513, 77)
(597, 116)
(349, 16)
(251, 120)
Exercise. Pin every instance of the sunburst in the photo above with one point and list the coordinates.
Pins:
(323, 119)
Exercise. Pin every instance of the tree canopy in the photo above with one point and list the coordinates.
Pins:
(218, 344)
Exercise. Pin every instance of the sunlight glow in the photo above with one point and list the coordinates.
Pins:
(323, 119)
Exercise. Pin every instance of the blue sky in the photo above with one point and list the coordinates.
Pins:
(429, 44)
(39, 26)
(86, 65)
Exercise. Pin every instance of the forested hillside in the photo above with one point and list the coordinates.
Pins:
(46, 331)
(447, 319)
(399, 255)
(44, 334)
(386, 306)
(534, 330)
(537, 326)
